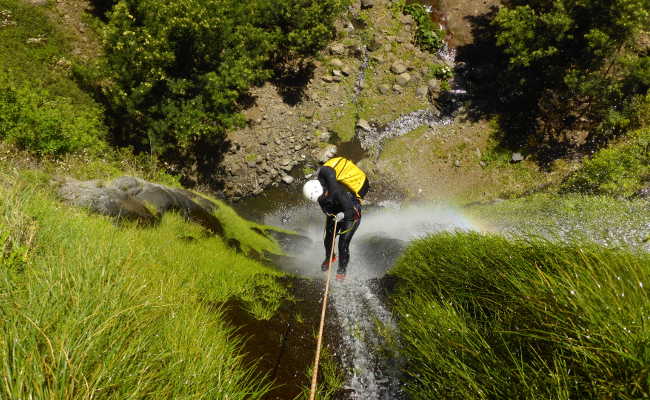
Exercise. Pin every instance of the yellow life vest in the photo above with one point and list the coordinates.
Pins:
(348, 174)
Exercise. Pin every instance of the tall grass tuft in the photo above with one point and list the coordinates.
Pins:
(485, 317)
(94, 309)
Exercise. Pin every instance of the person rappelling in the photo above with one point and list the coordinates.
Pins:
(338, 189)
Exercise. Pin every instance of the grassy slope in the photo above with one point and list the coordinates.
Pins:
(45, 63)
(91, 308)
(482, 317)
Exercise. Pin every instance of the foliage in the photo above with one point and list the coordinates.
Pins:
(34, 120)
(98, 310)
(41, 108)
(573, 66)
(174, 72)
(619, 170)
(440, 71)
(427, 36)
(483, 317)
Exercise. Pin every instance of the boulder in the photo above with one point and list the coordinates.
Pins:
(326, 153)
(288, 179)
(336, 63)
(516, 157)
(375, 44)
(133, 199)
(398, 68)
(363, 124)
(324, 136)
(337, 49)
(403, 79)
(433, 84)
(406, 19)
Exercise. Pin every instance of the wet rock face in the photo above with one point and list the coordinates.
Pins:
(380, 252)
(136, 199)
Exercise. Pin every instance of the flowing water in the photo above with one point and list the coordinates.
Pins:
(365, 325)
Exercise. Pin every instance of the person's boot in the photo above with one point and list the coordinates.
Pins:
(326, 264)
(340, 273)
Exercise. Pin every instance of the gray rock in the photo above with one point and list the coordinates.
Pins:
(403, 79)
(133, 198)
(375, 44)
(406, 19)
(383, 88)
(517, 157)
(337, 49)
(397, 88)
(326, 153)
(398, 67)
(433, 84)
(367, 4)
(285, 161)
(324, 136)
(336, 72)
(288, 179)
(336, 63)
(377, 58)
(421, 91)
(363, 124)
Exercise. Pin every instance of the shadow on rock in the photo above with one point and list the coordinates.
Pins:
(137, 200)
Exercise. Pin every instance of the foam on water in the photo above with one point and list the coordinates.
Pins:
(373, 370)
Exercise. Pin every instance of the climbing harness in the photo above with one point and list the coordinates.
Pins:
(319, 342)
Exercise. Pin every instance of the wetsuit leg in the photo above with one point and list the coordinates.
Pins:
(329, 235)
(344, 242)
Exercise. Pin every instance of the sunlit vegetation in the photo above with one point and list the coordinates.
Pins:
(95, 309)
(483, 317)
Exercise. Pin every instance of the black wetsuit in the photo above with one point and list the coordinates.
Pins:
(336, 199)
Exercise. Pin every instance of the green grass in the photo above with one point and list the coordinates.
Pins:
(482, 317)
(38, 63)
(94, 309)
(602, 219)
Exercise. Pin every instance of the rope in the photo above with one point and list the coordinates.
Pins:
(314, 377)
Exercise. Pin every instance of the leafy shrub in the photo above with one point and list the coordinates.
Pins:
(573, 66)
(47, 125)
(482, 317)
(619, 170)
(427, 35)
(174, 72)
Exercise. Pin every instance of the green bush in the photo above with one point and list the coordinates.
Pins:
(174, 73)
(482, 317)
(427, 36)
(619, 171)
(572, 66)
(34, 120)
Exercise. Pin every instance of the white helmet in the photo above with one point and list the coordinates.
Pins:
(312, 190)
